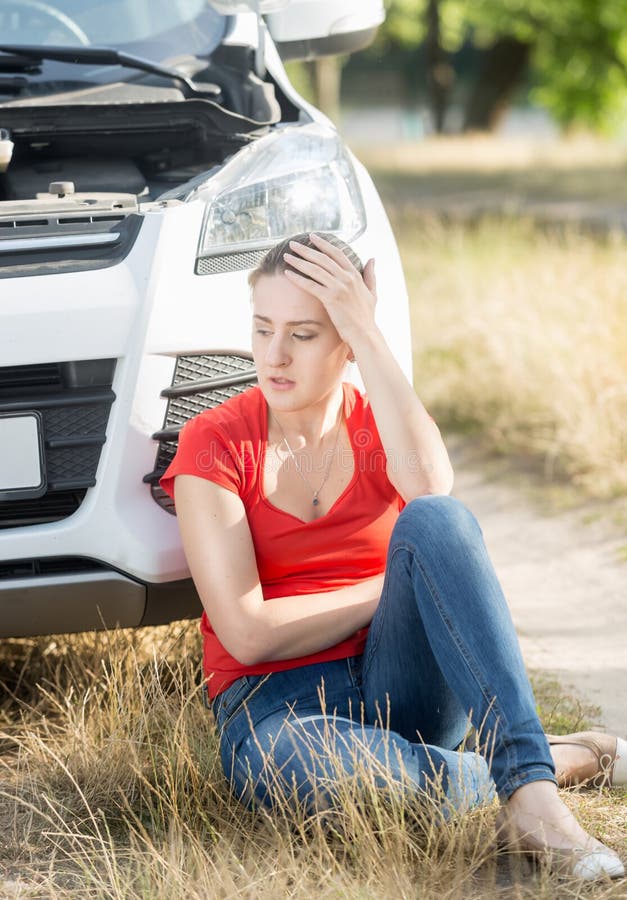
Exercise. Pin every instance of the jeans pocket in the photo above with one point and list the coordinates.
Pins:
(227, 701)
(227, 704)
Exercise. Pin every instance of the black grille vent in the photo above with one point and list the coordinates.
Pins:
(50, 224)
(117, 234)
(200, 382)
(73, 400)
(55, 565)
(229, 262)
(52, 507)
(46, 375)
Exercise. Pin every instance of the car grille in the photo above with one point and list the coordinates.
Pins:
(200, 382)
(67, 242)
(73, 400)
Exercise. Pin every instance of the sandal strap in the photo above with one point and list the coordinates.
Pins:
(605, 758)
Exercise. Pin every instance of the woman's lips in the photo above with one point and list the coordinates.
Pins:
(281, 384)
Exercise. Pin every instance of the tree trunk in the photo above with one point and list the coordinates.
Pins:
(503, 68)
(440, 74)
(326, 79)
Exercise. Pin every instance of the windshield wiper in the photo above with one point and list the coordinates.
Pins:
(103, 56)
(20, 64)
(14, 84)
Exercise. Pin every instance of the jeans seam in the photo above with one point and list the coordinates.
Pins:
(226, 746)
(516, 781)
(374, 642)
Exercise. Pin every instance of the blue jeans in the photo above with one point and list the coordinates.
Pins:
(441, 652)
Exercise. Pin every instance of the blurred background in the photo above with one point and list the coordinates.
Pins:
(496, 132)
(499, 66)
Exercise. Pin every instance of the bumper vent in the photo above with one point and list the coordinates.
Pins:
(199, 383)
(73, 400)
(41, 568)
(52, 507)
(229, 262)
(15, 378)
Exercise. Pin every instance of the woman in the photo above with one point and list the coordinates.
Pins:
(351, 610)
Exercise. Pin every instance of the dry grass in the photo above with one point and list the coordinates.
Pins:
(521, 335)
(111, 788)
(520, 331)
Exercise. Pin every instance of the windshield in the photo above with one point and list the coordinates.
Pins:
(158, 30)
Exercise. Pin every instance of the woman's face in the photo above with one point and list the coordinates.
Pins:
(299, 355)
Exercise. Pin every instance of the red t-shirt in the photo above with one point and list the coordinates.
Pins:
(227, 445)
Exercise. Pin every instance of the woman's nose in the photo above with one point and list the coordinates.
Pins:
(277, 352)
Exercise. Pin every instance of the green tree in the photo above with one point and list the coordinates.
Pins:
(574, 50)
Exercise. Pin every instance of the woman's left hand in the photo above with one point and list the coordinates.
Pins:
(348, 298)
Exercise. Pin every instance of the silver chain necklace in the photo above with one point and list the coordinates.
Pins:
(315, 500)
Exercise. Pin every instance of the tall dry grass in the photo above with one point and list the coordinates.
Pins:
(521, 336)
(110, 787)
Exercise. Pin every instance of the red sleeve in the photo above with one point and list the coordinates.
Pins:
(204, 450)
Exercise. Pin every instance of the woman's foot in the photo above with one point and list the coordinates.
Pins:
(589, 758)
(536, 819)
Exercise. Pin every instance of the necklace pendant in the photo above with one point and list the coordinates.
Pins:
(315, 500)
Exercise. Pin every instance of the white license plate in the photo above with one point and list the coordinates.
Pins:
(20, 455)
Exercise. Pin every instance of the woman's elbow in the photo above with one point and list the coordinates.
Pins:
(247, 645)
(253, 648)
(245, 656)
(434, 489)
(440, 482)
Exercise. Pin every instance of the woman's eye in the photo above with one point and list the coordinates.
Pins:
(261, 331)
(304, 337)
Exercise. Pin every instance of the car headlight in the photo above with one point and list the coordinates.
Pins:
(299, 178)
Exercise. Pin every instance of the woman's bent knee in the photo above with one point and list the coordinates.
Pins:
(435, 514)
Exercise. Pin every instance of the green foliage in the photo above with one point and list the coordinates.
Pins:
(404, 25)
(579, 48)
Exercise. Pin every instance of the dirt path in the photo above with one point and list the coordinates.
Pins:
(563, 580)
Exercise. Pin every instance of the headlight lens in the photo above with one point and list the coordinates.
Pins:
(299, 178)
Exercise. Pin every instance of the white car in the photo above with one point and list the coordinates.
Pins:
(150, 152)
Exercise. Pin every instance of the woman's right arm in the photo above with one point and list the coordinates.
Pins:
(221, 558)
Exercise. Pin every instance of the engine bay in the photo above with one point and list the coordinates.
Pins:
(140, 137)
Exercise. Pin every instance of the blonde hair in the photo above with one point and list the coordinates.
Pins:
(274, 263)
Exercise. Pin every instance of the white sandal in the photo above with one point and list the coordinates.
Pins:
(593, 863)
